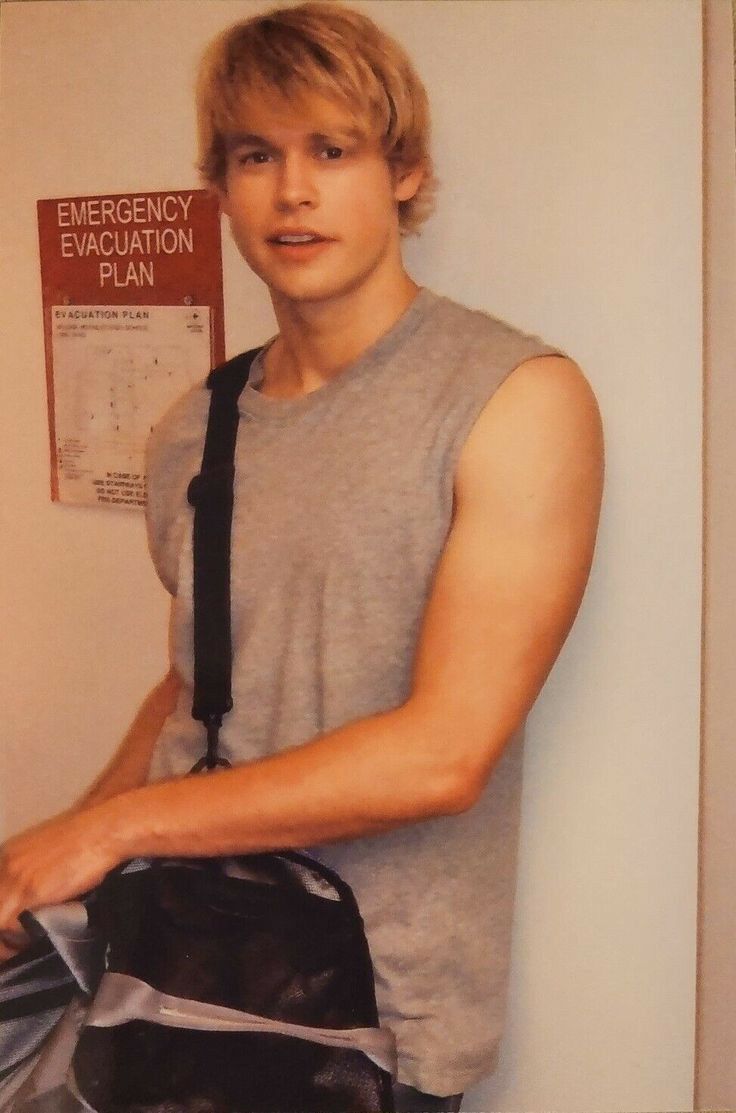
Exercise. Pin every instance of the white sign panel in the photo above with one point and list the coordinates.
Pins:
(116, 370)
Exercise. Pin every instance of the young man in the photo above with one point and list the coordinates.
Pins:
(413, 531)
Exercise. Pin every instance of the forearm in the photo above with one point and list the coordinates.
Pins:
(128, 768)
(367, 777)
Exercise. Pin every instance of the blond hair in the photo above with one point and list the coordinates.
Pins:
(323, 47)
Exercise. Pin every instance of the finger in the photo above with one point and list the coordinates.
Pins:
(12, 943)
(9, 922)
(14, 934)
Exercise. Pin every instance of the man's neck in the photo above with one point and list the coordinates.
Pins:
(318, 340)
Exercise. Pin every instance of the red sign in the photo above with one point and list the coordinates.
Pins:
(137, 249)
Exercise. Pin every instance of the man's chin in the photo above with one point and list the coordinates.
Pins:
(307, 291)
(320, 287)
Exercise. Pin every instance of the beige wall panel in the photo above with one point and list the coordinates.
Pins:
(716, 1027)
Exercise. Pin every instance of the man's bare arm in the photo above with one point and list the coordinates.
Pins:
(129, 766)
(506, 592)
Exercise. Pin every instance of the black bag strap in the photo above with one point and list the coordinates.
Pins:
(211, 494)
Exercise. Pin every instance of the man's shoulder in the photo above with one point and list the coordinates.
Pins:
(183, 422)
(489, 335)
(173, 453)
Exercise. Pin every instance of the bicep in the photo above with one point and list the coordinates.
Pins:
(514, 568)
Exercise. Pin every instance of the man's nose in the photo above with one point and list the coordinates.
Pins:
(297, 184)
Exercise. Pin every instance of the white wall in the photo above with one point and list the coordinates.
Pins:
(568, 142)
(716, 1013)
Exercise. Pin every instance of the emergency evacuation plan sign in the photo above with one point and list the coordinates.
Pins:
(133, 316)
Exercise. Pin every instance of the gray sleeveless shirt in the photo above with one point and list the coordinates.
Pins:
(343, 502)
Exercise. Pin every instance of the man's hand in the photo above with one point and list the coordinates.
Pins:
(55, 861)
(69, 854)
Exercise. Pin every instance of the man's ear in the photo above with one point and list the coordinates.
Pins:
(407, 181)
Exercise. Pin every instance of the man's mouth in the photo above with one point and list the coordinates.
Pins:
(297, 238)
(299, 248)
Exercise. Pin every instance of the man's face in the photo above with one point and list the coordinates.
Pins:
(310, 171)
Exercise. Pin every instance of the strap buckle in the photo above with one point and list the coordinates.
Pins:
(211, 759)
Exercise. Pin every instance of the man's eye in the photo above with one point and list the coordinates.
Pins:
(256, 157)
(333, 152)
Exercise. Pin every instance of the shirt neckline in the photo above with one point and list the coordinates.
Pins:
(259, 405)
